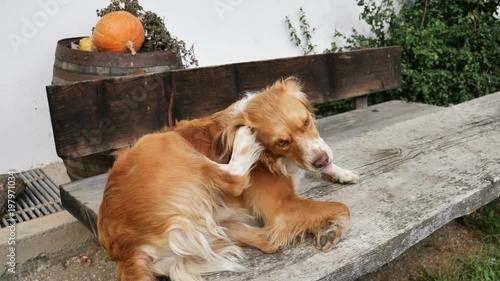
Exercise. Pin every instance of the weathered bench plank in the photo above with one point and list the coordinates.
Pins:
(356, 122)
(101, 115)
(416, 175)
(83, 198)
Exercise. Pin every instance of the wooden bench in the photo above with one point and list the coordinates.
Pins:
(83, 198)
(420, 166)
(416, 175)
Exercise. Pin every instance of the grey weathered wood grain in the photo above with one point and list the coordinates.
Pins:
(83, 199)
(416, 175)
(356, 122)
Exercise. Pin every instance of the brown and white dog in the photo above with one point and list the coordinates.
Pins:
(170, 208)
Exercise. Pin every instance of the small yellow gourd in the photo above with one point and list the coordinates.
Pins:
(87, 44)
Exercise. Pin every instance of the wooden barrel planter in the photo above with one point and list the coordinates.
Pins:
(88, 166)
(72, 65)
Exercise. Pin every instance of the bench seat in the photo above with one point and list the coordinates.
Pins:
(421, 166)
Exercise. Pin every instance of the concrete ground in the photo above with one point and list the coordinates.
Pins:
(90, 265)
(47, 240)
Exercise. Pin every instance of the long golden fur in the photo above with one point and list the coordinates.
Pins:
(170, 209)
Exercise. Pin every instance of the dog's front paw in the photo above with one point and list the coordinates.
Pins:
(329, 235)
(347, 176)
(340, 175)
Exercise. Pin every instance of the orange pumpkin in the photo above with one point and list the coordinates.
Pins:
(119, 32)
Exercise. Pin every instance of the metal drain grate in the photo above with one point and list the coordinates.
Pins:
(40, 198)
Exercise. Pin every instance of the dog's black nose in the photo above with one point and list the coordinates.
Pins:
(321, 161)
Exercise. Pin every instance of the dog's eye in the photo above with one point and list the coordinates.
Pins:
(307, 122)
(282, 143)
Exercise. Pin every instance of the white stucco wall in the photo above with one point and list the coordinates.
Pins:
(223, 31)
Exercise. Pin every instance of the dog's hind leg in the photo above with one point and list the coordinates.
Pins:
(233, 177)
(248, 235)
(246, 151)
(136, 268)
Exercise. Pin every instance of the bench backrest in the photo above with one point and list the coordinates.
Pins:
(101, 115)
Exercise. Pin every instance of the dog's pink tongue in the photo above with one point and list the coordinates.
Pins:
(328, 169)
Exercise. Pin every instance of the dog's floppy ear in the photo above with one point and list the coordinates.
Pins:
(222, 146)
(223, 143)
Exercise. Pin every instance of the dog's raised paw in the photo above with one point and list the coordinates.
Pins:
(246, 150)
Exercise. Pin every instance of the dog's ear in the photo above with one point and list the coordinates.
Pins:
(222, 145)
